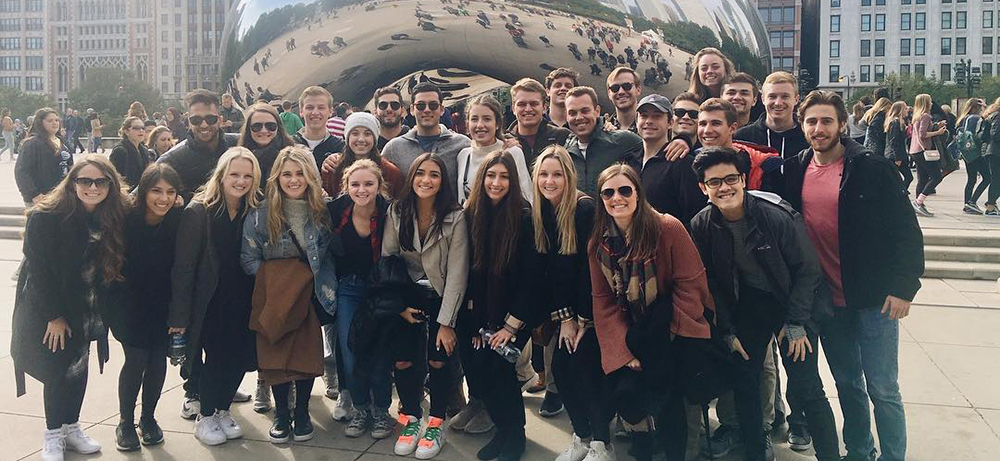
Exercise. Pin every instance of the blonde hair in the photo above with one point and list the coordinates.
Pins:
(992, 108)
(880, 106)
(781, 76)
(921, 106)
(316, 91)
(276, 222)
(623, 70)
(972, 106)
(896, 112)
(565, 211)
(364, 164)
(211, 194)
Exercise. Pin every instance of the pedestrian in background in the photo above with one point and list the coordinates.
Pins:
(44, 159)
(130, 156)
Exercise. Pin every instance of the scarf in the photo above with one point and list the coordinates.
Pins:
(633, 281)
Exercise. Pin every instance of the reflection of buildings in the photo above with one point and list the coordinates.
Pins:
(793, 33)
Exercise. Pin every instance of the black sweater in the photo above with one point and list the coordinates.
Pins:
(130, 161)
(566, 287)
(788, 143)
(39, 168)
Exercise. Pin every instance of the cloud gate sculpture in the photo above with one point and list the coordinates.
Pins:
(273, 49)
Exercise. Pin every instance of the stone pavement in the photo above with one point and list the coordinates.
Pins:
(949, 350)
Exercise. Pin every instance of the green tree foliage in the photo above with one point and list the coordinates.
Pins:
(906, 88)
(110, 92)
(21, 104)
(744, 59)
(688, 36)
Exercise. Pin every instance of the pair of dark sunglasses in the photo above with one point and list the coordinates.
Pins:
(395, 105)
(422, 106)
(101, 183)
(621, 86)
(271, 126)
(691, 113)
(196, 120)
(731, 179)
(624, 191)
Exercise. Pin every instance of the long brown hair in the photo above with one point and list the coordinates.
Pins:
(495, 228)
(699, 88)
(151, 176)
(896, 112)
(276, 222)
(137, 110)
(444, 201)
(154, 136)
(246, 140)
(644, 232)
(110, 213)
(126, 124)
(37, 128)
(565, 211)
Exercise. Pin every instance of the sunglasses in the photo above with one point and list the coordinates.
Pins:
(732, 179)
(387, 104)
(86, 183)
(196, 120)
(691, 113)
(618, 86)
(624, 191)
(422, 106)
(271, 126)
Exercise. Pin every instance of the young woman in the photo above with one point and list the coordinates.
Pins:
(160, 140)
(923, 130)
(265, 136)
(140, 321)
(8, 132)
(359, 219)
(362, 130)
(969, 120)
(44, 159)
(73, 250)
(649, 285)
(485, 118)
(856, 128)
(428, 230)
(563, 219)
(96, 131)
(895, 141)
(211, 295)
(292, 224)
(991, 141)
(874, 121)
(137, 110)
(130, 157)
(712, 69)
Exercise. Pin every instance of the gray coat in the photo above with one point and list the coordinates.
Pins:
(403, 150)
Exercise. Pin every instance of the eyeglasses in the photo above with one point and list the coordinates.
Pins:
(732, 179)
(196, 120)
(86, 183)
(387, 104)
(422, 106)
(619, 86)
(271, 126)
(624, 191)
(691, 113)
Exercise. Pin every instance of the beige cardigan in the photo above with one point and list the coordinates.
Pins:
(444, 259)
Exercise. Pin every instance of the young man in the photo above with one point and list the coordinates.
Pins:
(291, 120)
(685, 118)
(558, 84)
(872, 253)
(232, 116)
(671, 186)
(777, 128)
(624, 90)
(429, 135)
(389, 110)
(315, 107)
(336, 123)
(741, 91)
(530, 127)
(763, 273)
(716, 125)
(592, 148)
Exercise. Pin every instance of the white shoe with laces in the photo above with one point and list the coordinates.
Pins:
(77, 441)
(599, 452)
(190, 408)
(344, 409)
(208, 431)
(229, 425)
(54, 446)
(576, 451)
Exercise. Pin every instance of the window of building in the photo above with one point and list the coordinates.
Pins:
(879, 72)
(835, 23)
(834, 48)
(918, 69)
(920, 21)
(165, 70)
(834, 73)
(34, 62)
(10, 63)
(921, 2)
(765, 15)
(960, 45)
(904, 21)
(775, 38)
(879, 2)
(866, 74)
(961, 19)
(879, 22)
(34, 24)
(904, 69)
(987, 68)
(879, 47)
(788, 39)
(905, 2)
(34, 84)
(866, 48)
(866, 2)
(946, 19)
(10, 6)
(788, 15)
(904, 47)
(945, 46)
(10, 43)
(988, 19)
(834, 3)
(946, 72)
(987, 45)
(919, 46)
(34, 5)
(945, 1)
(12, 82)
(866, 22)
(33, 43)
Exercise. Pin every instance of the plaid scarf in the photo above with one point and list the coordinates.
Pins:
(633, 281)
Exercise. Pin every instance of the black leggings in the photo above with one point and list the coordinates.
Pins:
(494, 380)
(145, 369)
(904, 171)
(928, 173)
(581, 386)
(414, 346)
(303, 389)
(975, 169)
(994, 190)
(63, 396)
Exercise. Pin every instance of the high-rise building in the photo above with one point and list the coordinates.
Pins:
(863, 41)
(793, 33)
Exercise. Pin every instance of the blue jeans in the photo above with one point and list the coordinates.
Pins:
(862, 348)
(375, 381)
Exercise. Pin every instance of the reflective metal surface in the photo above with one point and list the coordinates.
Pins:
(276, 48)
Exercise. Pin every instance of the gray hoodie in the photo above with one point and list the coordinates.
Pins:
(403, 150)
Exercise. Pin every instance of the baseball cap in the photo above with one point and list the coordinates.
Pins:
(660, 102)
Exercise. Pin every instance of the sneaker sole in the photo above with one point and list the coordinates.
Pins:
(211, 444)
(261, 410)
(802, 447)
(352, 435)
(549, 414)
(278, 440)
(426, 455)
(303, 438)
(189, 417)
(399, 452)
(153, 442)
(378, 436)
(126, 449)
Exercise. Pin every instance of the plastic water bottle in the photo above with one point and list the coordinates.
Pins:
(178, 343)
(508, 352)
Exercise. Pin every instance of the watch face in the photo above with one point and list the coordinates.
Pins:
(276, 48)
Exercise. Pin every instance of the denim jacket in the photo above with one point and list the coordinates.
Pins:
(257, 249)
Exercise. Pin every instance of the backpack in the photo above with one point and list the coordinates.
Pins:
(969, 144)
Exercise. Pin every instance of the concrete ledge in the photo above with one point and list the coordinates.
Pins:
(961, 270)
(955, 253)
(11, 233)
(961, 238)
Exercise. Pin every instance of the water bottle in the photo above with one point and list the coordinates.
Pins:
(508, 352)
(178, 342)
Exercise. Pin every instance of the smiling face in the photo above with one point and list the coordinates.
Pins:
(620, 208)
(238, 180)
(684, 124)
(624, 99)
(726, 197)
(551, 180)
(160, 198)
(582, 113)
(392, 114)
(528, 108)
(427, 109)
(315, 110)
(497, 182)
(361, 141)
(204, 131)
(558, 90)
(362, 187)
(265, 135)
(779, 100)
(713, 129)
(482, 125)
(136, 132)
(91, 195)
(292, 180)
(427, 180)
(711, 70)
(740, 95)
(822, 127)
(652, 123)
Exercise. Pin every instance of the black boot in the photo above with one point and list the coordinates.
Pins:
(513, 448)
(492, 449)
(642, 446)
(303, 430)
(281, 430)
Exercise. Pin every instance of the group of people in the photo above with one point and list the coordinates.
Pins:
(658, 259)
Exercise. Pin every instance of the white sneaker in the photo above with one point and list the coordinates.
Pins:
(77, 441)
(432, 440)
(229, 425)
(599, 452)
(344, 409)
(408, 436)
(262, 397)
(190, 408)
(576, 451)
(208, 431)
(54, 445)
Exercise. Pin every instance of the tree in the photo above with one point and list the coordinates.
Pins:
(743, 59)
(110, 91)
(688, 36)
(21, 104)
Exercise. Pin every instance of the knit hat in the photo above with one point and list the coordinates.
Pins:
(361, 119)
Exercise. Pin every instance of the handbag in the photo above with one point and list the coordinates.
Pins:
(932, 155)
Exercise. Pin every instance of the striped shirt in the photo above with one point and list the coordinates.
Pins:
(335, 126)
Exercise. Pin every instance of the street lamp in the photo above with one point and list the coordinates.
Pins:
(849, 79)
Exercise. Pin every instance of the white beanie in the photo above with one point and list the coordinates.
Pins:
(361, 119)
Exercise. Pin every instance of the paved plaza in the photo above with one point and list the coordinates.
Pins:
(949, 351)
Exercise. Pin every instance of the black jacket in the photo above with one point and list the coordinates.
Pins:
(566, 284)
(788, 143)
(548, 134)
(781, 247)
(330, 145)
(881, 245)
(605, 149)
(672, 186)
(39, 169)
(875, 136)
(195, 161)
(130, 161)
(895, 143)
